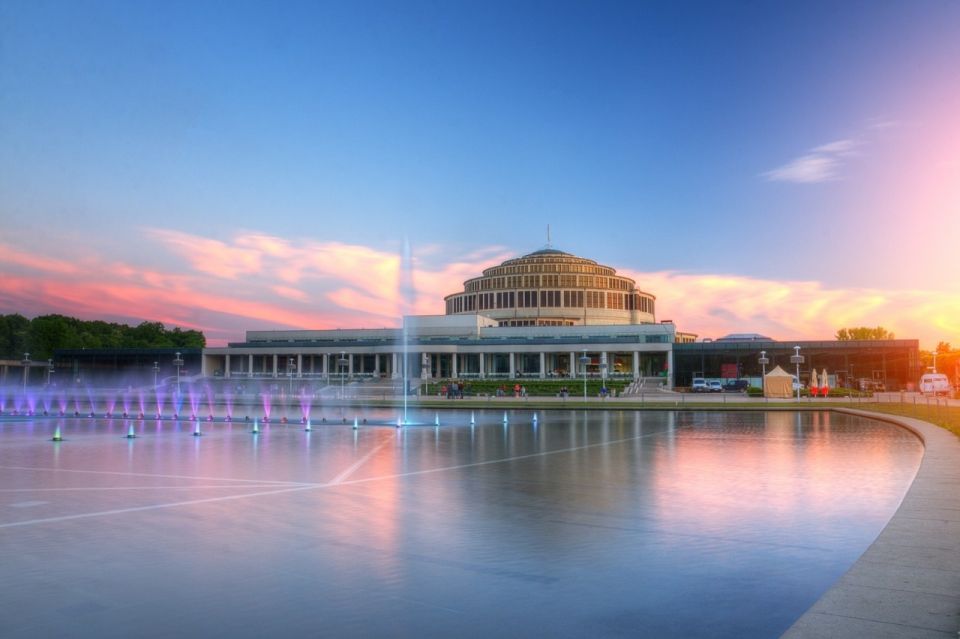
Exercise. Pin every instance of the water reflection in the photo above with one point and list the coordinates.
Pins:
(661, 524)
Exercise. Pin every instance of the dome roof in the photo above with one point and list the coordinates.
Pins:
(547, 251)
(534, 261)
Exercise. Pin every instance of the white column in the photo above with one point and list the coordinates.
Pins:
(226, 365)
(543, 364)
(670, 368)
(395, 371)
(313, 364)
(483, 368)
(376, 364)
(636, 365)
(426, 365)
(299, 364)
(455, 369)
(573, 365)
(349, 357)
(274, 365)
(604, 365)
(326, 366)
(513, 368)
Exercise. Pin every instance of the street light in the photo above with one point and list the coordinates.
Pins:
(584, 360)
(763, 361)
(341, 363)
(797, 359)
(290, 374)
(26, 370)
(50, 370)
(156, 371)
(177, 362)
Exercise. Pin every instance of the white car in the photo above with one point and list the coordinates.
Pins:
(935, 384)
(714, 386)
(699, 385)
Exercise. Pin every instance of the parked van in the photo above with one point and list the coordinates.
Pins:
(935, 384)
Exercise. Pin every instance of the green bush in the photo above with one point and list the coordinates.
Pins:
(848, 392)
(535, 387)
(754, 391)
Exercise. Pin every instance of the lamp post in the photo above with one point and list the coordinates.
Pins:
(763, 361)
(50, 370)
(26, 370)
(156, 371)
(178, 362)
(290, 375)
(797, 359)
(341, 363)
(584, 360)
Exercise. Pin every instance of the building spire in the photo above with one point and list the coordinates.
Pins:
(548, 237)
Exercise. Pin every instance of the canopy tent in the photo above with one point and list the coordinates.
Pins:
(814, 384)
(778, 383)
(824, 383)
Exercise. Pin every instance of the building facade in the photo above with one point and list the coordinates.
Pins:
(440, 346)
(547, 314)
(864, 364)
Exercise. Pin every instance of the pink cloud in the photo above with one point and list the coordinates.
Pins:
(715, 305)
(210, 256)
(17, 258)
(256, 281)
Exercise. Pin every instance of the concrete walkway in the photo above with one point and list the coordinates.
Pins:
(907, 584)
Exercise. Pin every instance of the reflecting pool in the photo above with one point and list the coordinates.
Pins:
(598, 524)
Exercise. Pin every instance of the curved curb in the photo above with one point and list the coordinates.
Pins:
(907, 583)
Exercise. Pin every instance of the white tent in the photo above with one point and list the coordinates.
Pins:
(778, 383)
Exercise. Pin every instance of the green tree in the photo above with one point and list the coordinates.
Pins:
(49, 333)
(45, 334)
(13, 336)
(863, 332)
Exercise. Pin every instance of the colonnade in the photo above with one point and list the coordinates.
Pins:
(423, 364)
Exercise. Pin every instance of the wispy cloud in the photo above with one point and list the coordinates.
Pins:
(806, 169)
(882, 123)
(821, 164)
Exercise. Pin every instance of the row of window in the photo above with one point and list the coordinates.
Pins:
(552, 267)
(549, 299)
(536, 322)
(549, 281)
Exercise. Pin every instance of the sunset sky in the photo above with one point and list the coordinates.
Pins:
(770, 167)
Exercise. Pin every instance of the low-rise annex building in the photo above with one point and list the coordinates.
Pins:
(444, 346)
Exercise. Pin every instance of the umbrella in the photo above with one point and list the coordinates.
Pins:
(824, 383)
(814, 387)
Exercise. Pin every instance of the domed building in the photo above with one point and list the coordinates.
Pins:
(547, 314)
(553, 288)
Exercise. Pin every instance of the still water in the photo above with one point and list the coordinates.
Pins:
(600, 524)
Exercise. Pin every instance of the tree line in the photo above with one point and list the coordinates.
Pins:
(42, 335)
(947, 358)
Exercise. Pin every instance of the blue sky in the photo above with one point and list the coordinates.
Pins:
(814, 142)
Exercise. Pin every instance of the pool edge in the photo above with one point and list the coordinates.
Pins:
(907, 583)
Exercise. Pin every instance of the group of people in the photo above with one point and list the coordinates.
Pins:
(518, 391)
(454, 390)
